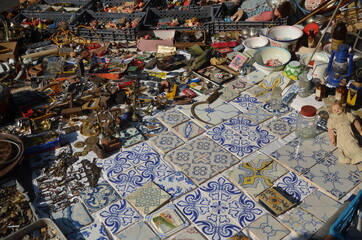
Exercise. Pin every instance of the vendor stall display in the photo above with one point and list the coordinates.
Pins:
(178, 119)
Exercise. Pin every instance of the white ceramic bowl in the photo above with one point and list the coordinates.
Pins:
(256, 42)
(265, 54)
(317, 57)
(284, 36)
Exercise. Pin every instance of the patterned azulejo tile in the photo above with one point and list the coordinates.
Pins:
(93, 231)
(332, 178)
(246, 102)
(151, 127)
(320, 205)
(295, 186)
(173, 117)
(167, 141)
(302, 222)
(175, 184)
(155, 168)
(148, 197)
(188, 130)
(118, 216)
(255, 179)
(98, 197)
(127, 182)
(257, 115)
(267, 227)
(138, 231)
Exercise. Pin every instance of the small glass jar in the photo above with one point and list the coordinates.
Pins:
(306, 122)
(304, 84)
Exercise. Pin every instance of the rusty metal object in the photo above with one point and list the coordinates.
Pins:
(10, 158)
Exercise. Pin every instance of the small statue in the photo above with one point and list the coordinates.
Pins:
(349, 150)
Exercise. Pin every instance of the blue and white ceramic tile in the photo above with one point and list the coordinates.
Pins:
(320, 143)
(199, 171)
(261, 93)
(116, 165)
(125, 160)
(244, 210)
(98, 197)
(320, 205)
(175, 221)
(221, 159)
(188, 130)
(302, 222)
(283, 110)
(173, 117)
(194, 204)
(240, 125)
(279, 127)
(204, 146)
(257, 115)
(167, 141)
(183, 155)
(232, 141)
(217, 226)
(246, 102)
(188, 233)
(153, 169)
(220, 188)
(175, 184)
(95, 231)
(259, 136)
(291, 118)
(151, 127)
(332, 178)
(138, 231)
(298, 158)
(355, 168)
(118, 216)
(295, 186)
(267, 227)
(72, 218)
(255, 77)
(127, 182)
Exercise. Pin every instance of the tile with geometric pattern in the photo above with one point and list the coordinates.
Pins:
(302, 222)
(257, 115)
(148, 197)
(166, 141)
(173, 117)
(255, 179)
(188, 130)
(268, 228)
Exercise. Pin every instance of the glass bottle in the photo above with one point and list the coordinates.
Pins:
(306, 122)
(320, 90)
(304, 84)
(341, 92)
(311, 37)
(339, 34)
(276, 99)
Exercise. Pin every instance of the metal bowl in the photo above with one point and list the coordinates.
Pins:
(318, 19)
(248, 32)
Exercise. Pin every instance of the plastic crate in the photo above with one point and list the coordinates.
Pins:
(114, 3)
(203, 14)
(54, 16)
(44, 222)
(81, 4)
(107, 34)
(162, 5)
(220, 25)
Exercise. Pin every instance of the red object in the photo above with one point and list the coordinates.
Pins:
(308, 111)
(225, 44)
(188, 92)
(27, 112)
(138, 63)
(110, 76)
(123, 84)
(93, 46)
(309, 26)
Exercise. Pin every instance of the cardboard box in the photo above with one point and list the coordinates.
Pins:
(167, 39)
(13, 54)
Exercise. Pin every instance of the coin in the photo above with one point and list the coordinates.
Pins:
(79, 144)
(91, 141)
(88, 148)
(77, 154)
